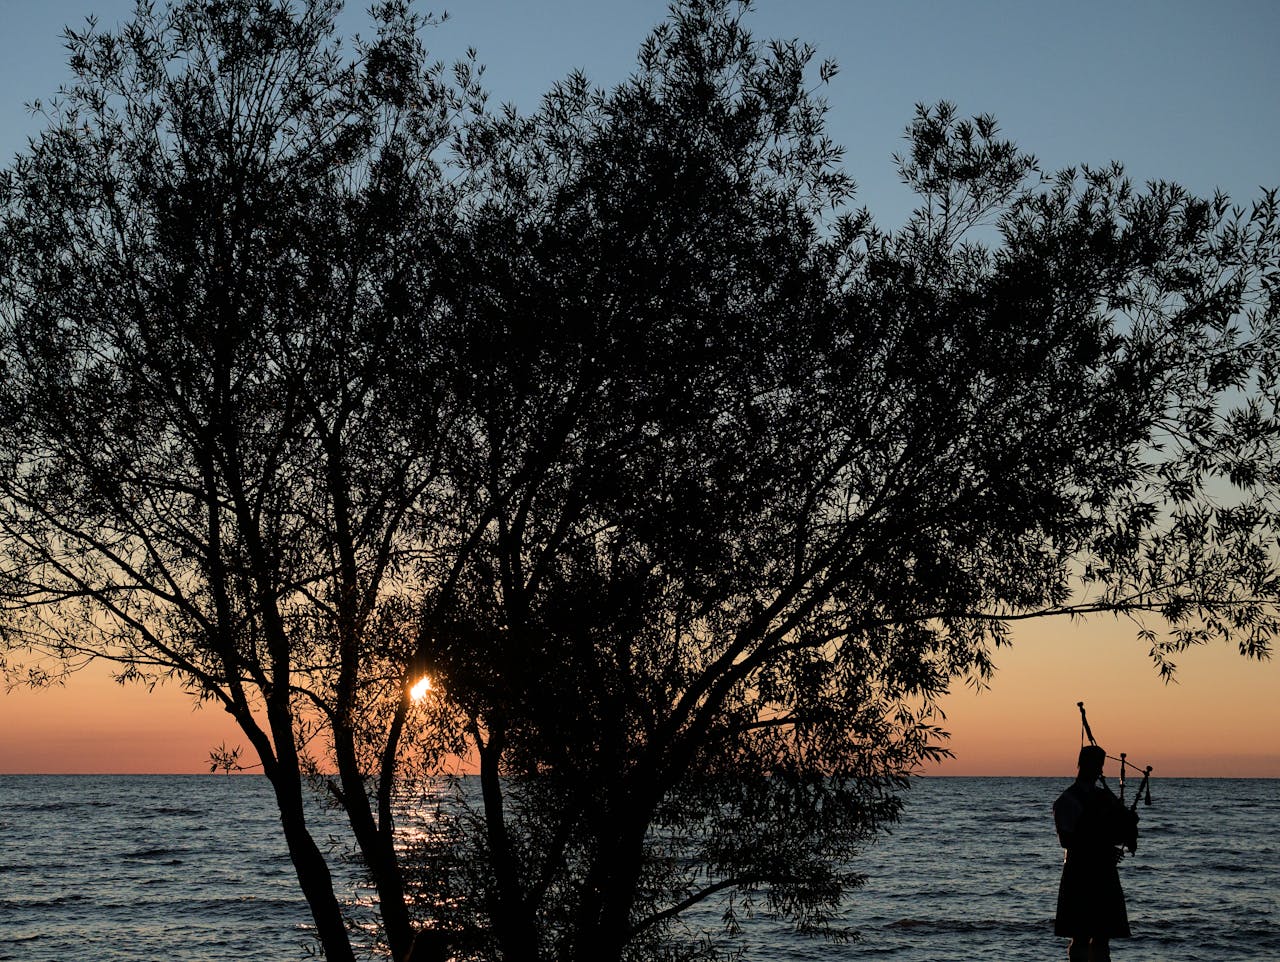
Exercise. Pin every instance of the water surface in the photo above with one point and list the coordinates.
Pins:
(193, 869)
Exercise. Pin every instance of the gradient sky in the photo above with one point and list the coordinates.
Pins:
(1175, 90)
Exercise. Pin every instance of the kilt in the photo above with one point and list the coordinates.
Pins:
(1090, 900)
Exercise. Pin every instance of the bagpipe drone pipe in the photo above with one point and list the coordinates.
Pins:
(1126, 829)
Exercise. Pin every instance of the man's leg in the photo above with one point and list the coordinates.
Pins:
(1099, 950)
(1078, 950)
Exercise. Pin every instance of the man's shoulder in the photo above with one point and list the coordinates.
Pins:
(1070, 798)
(1074, 790)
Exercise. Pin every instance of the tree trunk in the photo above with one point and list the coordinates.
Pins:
(309, 864)
(312, 871)
(377, 848)
(603, 925)
(609, 890)
(509, 910)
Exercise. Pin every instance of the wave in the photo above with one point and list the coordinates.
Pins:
(1018, 926)
(8, 940)
(63, 805)
(153, 860)
(152, 854)
(55, 903)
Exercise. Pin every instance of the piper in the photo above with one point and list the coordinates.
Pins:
(1094, 827)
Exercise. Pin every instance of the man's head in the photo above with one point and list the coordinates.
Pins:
(1092, 758)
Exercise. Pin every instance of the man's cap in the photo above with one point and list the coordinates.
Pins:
(1092, 757)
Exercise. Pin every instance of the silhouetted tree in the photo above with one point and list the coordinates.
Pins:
(218, 419)
(758, 483)
(692, 490)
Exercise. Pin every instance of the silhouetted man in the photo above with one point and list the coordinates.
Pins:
(1092, 823)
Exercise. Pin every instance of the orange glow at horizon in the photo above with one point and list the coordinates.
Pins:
(91, 725)
(1220, 719)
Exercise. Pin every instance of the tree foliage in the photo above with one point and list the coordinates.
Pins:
(219, 425)
(691, 488)
(765, 482)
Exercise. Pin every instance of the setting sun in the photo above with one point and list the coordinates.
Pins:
(420, 688)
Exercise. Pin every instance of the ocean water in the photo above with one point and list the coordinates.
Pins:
(192, 869)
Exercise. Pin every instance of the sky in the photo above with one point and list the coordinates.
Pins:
(1175, 90)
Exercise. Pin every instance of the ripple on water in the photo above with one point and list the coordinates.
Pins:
(193, 870)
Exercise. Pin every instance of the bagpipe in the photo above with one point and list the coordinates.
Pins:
(1144, 788)
(1123, 828)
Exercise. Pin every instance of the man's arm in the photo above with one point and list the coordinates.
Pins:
(1067, 812)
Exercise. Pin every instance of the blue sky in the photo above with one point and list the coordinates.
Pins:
(1174, 89)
